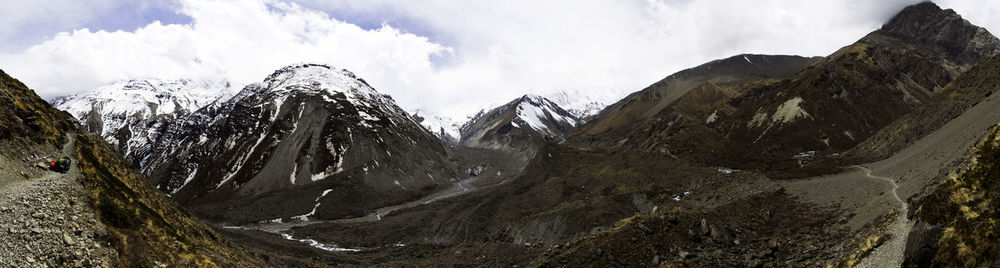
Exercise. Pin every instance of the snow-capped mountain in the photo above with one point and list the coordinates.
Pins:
(445, 128)
(582, 105)
(306, 131)
(130, 114)
(518, 124)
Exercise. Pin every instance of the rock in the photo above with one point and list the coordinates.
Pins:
(36, 230)
(921, 244)
(100, 231)
(704, 227)
(38, 215)
(644, 228)
(656, 260)
(720, 234)
(67, 239)
(685, 254)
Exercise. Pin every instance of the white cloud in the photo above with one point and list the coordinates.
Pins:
(242, 41)
(482, 52)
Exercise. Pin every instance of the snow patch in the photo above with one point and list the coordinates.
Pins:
(305, 217)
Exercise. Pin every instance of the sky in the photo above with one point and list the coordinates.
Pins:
(447, 57)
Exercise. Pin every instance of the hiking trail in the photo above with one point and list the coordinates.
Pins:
(889, 253)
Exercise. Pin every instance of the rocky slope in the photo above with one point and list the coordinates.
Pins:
(624, 116)
(132, 114)
(518, 125)
(100, 213)
(965, 92)
(310, 141)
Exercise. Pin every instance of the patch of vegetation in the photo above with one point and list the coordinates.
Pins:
(144, 226)
(966, 208)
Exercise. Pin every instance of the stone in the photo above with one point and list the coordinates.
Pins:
(67, 239)
(36, 231)
(644, 228)
(704, 227)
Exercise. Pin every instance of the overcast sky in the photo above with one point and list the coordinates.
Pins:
(451, 57)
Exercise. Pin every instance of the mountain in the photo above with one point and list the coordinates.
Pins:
(518, 125)
(826, 108)
(582, 105)
(641, 107)
(310, 141)
(132, 114)
(100, 213)
(853, 93)
(958, 97)
(446, 129)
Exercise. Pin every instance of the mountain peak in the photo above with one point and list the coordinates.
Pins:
(958, 39)
(311, 77)
(917, 19)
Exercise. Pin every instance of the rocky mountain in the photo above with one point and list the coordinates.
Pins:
(100, 213)
(641, 107)
(132, 114)
(518, 125)
(310, 141)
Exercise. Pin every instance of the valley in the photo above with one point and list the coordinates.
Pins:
(883, 153)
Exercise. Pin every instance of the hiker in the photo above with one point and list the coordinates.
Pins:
(60, 165)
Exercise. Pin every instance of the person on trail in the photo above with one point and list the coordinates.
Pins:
(60, 165)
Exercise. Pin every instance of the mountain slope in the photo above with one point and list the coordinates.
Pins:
(132, 114)
(639, 107)
(965, 92)
(309, 141)
(518, 125)
(138, 223)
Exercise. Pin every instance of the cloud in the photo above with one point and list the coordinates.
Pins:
(242, 41)
(456, 57)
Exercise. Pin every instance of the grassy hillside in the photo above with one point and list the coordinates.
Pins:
(964, 210)
(145, 226)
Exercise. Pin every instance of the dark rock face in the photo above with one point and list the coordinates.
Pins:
(306, 136)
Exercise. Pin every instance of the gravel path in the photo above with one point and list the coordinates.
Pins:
(890, 254)
(46, 222)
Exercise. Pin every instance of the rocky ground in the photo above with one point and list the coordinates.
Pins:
(44, 222)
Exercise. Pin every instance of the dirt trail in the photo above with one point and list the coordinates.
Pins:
(890, 254)
(46, 222)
